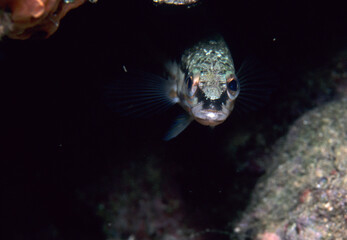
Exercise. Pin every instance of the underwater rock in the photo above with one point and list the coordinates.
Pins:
(303, 195)
(142, 206)
(29, 17)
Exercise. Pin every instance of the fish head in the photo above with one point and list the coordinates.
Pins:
(211, 95)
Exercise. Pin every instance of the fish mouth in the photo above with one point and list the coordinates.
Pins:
(209, 117)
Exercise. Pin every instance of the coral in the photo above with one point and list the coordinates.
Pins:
(29, 17)
(304, 193)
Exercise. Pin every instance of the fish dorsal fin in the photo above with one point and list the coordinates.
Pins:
(180, 123)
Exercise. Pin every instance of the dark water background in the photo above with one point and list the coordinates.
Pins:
(61, 143)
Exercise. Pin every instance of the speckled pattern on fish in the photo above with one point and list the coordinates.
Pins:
(212, 59)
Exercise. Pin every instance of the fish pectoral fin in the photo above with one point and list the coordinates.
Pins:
(139, 94)
(180, 123)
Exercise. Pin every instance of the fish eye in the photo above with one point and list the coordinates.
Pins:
(233, 87)
(191, 85)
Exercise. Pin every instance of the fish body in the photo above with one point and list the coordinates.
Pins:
(204, 84)
(207, 86)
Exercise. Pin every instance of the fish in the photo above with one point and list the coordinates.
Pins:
(204, 83)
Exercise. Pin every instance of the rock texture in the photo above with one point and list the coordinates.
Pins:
(304, 193)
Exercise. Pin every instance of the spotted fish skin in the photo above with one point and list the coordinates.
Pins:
(212, 59)
(203, 76)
